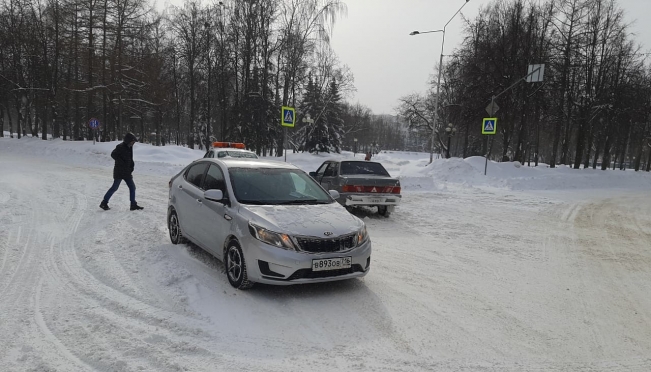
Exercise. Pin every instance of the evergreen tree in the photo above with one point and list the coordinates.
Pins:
(333, 118)
(316, 133)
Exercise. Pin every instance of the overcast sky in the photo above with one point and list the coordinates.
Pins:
(373, 40)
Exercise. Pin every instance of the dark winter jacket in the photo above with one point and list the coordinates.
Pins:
(123, 155)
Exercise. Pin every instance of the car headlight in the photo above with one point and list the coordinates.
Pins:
(272, 238)
(362, 236)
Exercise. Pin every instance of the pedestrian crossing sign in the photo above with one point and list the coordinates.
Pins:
(489, 126)
(288, 116)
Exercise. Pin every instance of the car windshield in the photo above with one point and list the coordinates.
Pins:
(362, 167)
(238, 154)
(273, 186)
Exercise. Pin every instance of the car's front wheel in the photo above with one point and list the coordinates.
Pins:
(236, 267)
(174, 226)
(383, 210)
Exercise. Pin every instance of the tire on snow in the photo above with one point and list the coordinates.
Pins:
(174, 227)
(236, 266)
(383, 210)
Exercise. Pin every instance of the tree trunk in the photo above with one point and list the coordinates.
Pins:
(91, 52)
(596, 153)
(2, 121)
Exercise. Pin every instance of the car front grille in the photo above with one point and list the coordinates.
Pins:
(317, 245)
(309, 274)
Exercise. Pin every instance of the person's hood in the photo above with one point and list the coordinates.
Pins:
(321, 220)
(129, 137)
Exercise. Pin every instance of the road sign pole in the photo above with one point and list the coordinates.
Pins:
(287, 119)
(489, 143)
(490, 149)
(94, 135)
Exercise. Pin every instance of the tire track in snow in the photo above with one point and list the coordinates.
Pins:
(5, 253)
(54, 340)
(85, 282)
(615, 229)
(568, 221)
(67, 274)
(20, 262)
(608, 279)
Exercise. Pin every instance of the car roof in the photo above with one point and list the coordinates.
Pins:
(252, 163)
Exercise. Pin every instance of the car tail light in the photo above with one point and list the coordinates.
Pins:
(348, 188)
(352, 188)
(396, 190)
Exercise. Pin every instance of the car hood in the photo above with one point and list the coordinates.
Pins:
(303, 220)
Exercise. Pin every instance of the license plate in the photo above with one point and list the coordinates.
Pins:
(377, 201)
(332, 263)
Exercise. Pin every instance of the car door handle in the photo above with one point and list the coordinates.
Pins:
(227, 217)
(180, 186)
(199, 201)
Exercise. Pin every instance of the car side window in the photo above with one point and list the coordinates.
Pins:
(331, 171)
(195, 174)
(214, 179)
(322, 169)
(222, 154)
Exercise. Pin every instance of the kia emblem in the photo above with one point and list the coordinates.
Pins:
(328, 233)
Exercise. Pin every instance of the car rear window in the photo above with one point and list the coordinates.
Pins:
(238, 154)
(362, 167)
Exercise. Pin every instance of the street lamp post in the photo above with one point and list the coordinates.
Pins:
(208, 119)
(438, 80)
(450, 130)
(355, 147)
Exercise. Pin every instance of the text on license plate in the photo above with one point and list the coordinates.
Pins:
(332, 263)
(376, 200)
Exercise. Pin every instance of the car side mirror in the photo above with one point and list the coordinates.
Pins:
(312, 174)
(334, 194)
(214, 195)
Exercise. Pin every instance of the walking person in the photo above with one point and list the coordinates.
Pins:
(123, 156)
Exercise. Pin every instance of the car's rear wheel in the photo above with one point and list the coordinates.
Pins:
(383, 210)
(174, 226)
(236, 267)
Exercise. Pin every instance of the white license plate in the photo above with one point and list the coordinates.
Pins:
(377, 201)
(332, 263)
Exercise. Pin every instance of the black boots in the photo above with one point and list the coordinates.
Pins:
(136, 207)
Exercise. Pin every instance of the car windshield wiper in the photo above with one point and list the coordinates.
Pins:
(300, 202)
(255, 202)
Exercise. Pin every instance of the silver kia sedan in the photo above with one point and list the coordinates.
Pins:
(269, 222)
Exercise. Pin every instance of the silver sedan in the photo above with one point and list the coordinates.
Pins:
(269, 222)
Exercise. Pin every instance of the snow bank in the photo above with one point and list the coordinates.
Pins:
(411, 168)
(163, 160)
(514, 176)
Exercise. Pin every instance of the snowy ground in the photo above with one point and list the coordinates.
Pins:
(525, 270)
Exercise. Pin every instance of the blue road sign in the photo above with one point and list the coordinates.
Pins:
(288, 116)
(93, 123)
(489, 126)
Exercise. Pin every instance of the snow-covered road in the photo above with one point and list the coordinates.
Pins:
(462, 279)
